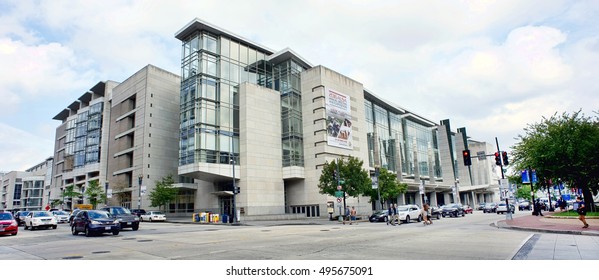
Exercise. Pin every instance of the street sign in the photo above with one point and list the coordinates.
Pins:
(339, 199)
(339, 194)
(481, 155)
(421, 188)
(109, 193)
(339, 187)
(143, 190)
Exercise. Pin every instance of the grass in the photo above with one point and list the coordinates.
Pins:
(574, 214)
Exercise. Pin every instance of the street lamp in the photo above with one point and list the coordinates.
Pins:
(456, 191)
(139, 180)
(234, 216)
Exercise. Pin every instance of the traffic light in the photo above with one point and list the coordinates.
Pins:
(497, 158)
(335, 175)
(467, 159)
(504, 155)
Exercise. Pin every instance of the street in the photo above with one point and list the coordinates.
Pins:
(465, 238)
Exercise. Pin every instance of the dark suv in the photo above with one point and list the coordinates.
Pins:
(138, 212)
(124, 216)
(452, 210)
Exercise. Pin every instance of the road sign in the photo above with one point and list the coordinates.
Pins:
(375, 183)
(339, 199)
(421, 188)
(481, 155)
(339, 187)
(339, 194)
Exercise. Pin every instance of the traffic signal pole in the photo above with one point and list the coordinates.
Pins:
(508, 215)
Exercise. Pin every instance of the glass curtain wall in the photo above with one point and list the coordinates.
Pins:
(423, 137)
(287, 81)
(388, 127)
(212, 67)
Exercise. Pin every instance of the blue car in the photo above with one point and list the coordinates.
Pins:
(93, 222)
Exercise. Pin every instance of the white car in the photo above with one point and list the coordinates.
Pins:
(409, 212)
(61, 216)
(37, 219)
(153, 216)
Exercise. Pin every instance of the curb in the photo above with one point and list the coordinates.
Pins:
(501, 224)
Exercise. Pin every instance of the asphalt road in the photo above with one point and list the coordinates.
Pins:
(464, 238)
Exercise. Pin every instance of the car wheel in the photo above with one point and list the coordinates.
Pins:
(74, 231)
(438, 216)
(54, 226)
(115, 232)
(141, 219)
(463, 214)
(87, 232)
(150, 220)
(15, 233)
(135, 227)
(420, 218)
(386, 219)
(25, 227)
(407, 219)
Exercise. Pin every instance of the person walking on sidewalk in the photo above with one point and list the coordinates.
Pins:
(390, 215)
(346, 216)
(582, 211)
(352, 215)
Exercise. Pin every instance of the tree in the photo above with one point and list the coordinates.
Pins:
(353, 178)
(95, 193)
(69, 191)
(562, 147)
(524, 192)
(388, 186)
(164, 192)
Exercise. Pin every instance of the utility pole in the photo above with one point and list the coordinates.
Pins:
(508, 215)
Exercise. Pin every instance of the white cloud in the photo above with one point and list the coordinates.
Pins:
(20, 149)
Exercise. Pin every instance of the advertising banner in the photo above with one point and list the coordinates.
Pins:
(338, 114)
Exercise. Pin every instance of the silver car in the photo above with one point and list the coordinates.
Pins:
(61, 216)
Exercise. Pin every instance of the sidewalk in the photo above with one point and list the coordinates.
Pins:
(550, 224)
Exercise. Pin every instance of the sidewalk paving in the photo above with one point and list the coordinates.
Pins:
(550, 224)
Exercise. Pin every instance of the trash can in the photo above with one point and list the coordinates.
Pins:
(225, 218)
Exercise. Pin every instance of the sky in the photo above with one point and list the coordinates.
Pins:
(493, 67)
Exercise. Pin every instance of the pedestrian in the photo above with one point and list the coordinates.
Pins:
(395, 215)
(346, 216)
(352, 215)
(538, 208)
(390, 214)
(582, 211)
(425, 215)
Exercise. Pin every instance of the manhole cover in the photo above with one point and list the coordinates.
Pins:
(211, 229)
(145, 240)
(265, 230)
(324, 230)
(101, 252)
(72, 257)
(130, 238)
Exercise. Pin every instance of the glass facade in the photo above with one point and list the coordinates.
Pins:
(212, 67)
(83, 136)
(393, 131)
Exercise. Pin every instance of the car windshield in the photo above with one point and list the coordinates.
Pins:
(41, 214)
(60, 213)
(24, 213)
(98, 214)
(156, 213)
(119, 211)
(402, 208)
(5, 216)
(450, 206)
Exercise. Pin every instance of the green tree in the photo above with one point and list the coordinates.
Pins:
(95, 193)
(163, 193)
(524, 192)
(354, 179)
(69, 192)
(388, 186)
(562, 147)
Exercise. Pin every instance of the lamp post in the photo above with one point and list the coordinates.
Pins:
(139, 180)
(456, 191)
(234, 216)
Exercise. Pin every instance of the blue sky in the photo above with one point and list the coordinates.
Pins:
(490, 66)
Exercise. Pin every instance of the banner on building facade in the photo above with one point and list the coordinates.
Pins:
(339, 124)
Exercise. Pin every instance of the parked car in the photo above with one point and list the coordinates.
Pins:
(502, 208)
(95, 222)
(8, 224)
(39, 219)
(453, 210)
(20, 217)
(379, 216)
(481, 206)
(409, 212)
(524, 205)
(490, 207)
(153, 216)
(468, 209)
(436, 212)
(72, 215)
(61, 216)
(124, 216)
(138, 212)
